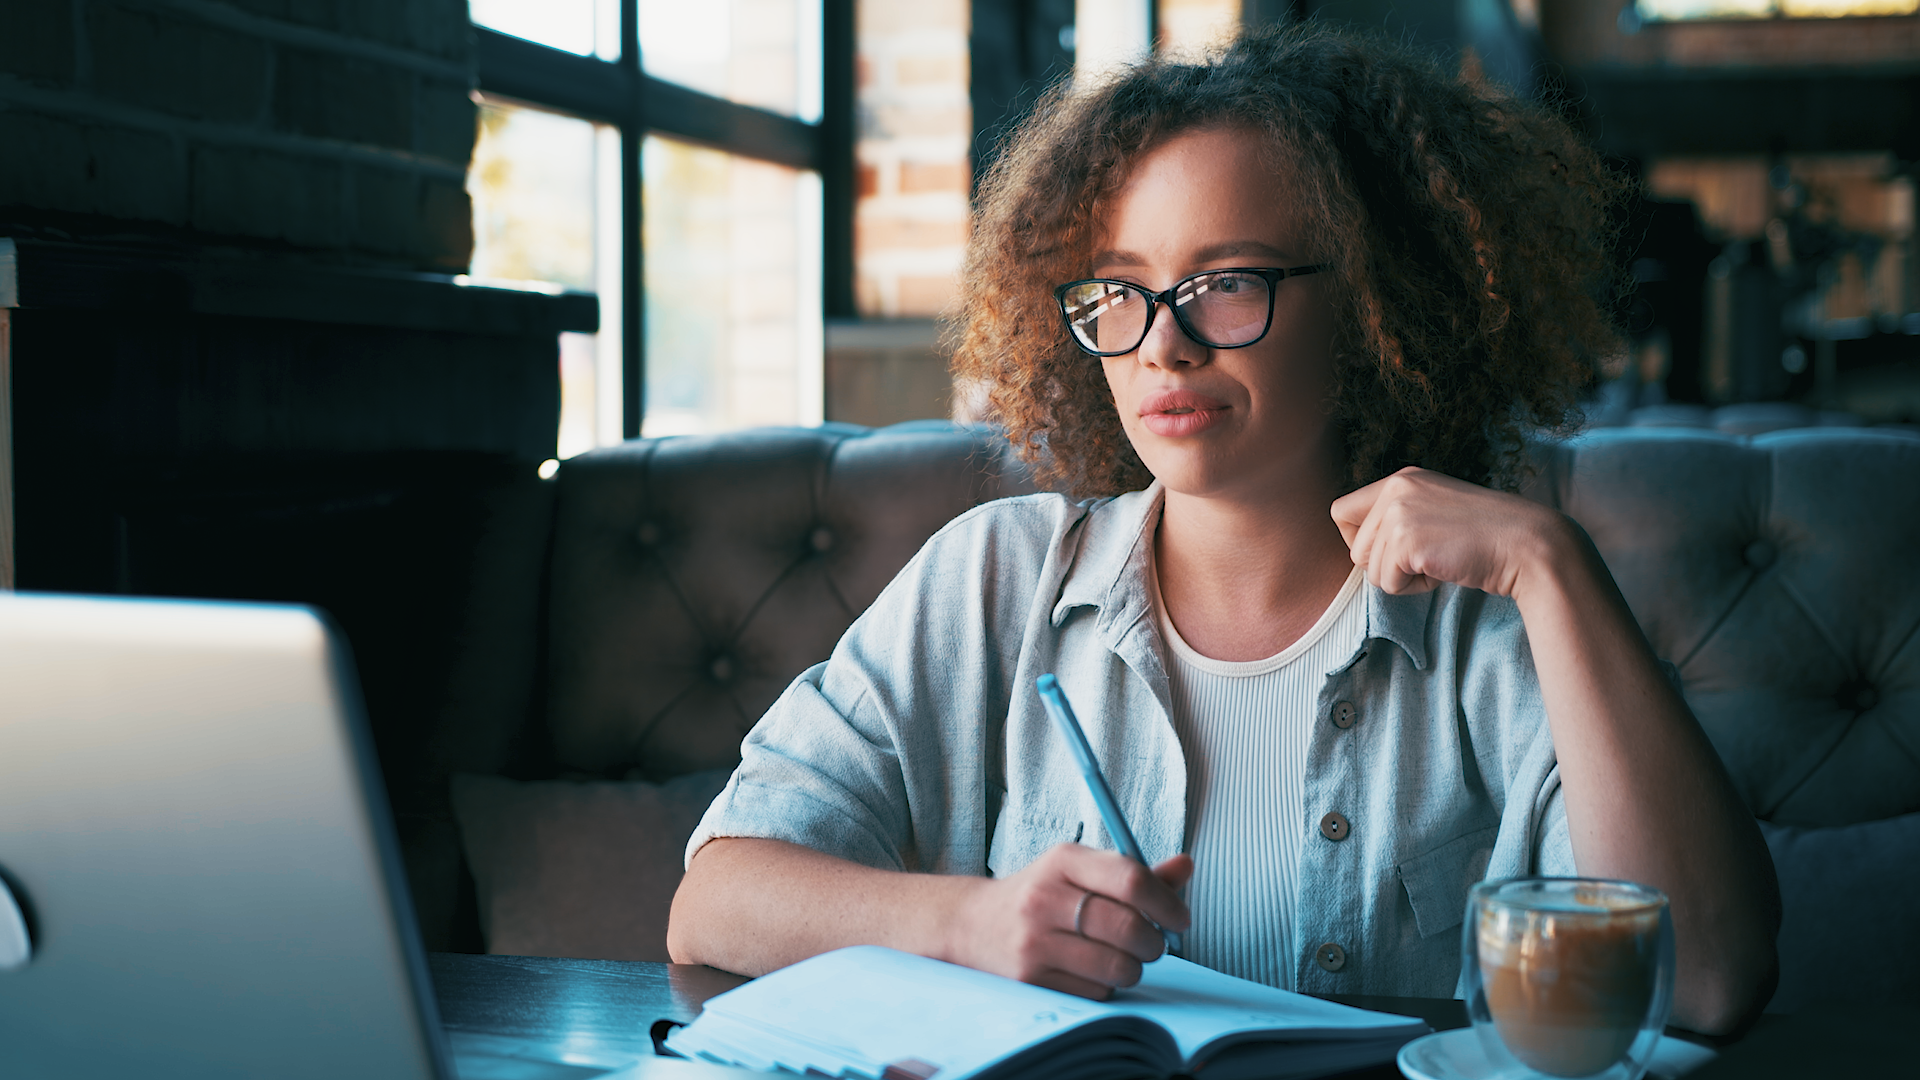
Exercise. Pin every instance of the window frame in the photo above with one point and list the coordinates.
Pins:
(1774, 14)
(621, 94)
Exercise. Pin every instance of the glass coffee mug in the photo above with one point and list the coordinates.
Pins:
(1568, 977)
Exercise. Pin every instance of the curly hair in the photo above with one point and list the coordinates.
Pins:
(1469, 233)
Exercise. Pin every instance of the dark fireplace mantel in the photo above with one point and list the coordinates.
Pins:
(128, 360)
(231, 425)
(65, 275)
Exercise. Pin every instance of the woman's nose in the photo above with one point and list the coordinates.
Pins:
(1168, 346)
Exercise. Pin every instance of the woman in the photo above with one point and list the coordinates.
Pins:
(1286, 311)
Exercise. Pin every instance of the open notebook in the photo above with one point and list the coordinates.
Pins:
(884, 1015)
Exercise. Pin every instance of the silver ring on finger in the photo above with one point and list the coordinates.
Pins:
(1080, 913)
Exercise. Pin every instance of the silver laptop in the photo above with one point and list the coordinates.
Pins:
(195, 843)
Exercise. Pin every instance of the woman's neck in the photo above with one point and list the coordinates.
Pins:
(1244, 580)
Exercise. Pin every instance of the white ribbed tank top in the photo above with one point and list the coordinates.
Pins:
(1245, 728)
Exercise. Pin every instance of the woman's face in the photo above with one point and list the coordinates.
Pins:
(1246, 423)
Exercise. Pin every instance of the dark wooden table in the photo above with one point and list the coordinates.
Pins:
(528, 1018)
(515, 1017)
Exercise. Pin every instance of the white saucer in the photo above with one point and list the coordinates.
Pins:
(1457, 1055)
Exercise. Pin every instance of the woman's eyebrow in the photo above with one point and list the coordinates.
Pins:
(1240, 247)
(1223, 250)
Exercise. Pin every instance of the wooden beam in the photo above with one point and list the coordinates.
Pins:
(9, 296)
(6, 449)
(1643, 114)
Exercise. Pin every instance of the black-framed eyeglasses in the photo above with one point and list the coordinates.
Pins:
(1221, 309)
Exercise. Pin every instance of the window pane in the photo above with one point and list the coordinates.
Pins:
(1189, 28)
(733, 322)
(574, 25)
(545, 192)
(1828, 9)
(1108, 34)
(1705, 9)
(532, 188)
(756, 52)
(1764, 9)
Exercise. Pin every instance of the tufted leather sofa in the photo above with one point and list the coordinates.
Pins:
(665, 591)
(692, 579)
(632, 618)
(1777, 573)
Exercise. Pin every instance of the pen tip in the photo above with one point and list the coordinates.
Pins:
(1046, 682)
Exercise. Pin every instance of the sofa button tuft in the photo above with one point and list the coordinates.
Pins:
(721, 669)
(1334, 827)
(648, 534)
(1344, 714)
(1330, 957)
(821, 539)
(1860, 697)
(1759, 554)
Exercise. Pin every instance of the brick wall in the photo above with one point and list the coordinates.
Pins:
(916, 123)
(335, 125)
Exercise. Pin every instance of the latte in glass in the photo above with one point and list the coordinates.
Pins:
(1569, 977)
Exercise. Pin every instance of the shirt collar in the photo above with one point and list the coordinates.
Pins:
(1109, 573)
(1401, 620)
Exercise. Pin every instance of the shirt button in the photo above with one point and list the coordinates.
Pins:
(1344, 714)
(1330, 957)
(1334, 827)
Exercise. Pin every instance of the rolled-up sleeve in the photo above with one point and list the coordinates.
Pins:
(810, 774)
(1553, 846)
(880, 755)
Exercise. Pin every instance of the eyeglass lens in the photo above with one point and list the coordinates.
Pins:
(1221, 309)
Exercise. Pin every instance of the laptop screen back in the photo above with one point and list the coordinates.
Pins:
(190, 810)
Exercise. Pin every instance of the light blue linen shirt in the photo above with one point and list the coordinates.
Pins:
(920, 744)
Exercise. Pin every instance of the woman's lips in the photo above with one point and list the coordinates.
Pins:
(1180, 412)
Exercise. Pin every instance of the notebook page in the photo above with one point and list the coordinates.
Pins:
(863, 1008)
(1198, 1005)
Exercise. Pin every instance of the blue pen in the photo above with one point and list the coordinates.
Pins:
(1063, 718)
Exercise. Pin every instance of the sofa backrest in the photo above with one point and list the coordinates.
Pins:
(690, 579)
(693, 578)
(1778, 573)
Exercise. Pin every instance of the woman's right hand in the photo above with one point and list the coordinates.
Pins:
(1022, 926)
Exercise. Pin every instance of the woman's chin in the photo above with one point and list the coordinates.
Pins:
(1187, 472)
(1217, 468)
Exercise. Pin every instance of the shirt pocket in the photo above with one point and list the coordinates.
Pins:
(1023, 834)
(1437, 881)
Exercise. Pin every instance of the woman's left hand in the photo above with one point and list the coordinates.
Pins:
(1416, 529)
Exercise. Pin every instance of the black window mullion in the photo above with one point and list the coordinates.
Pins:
(837, 45)
(685, 113)
(534, 74)
(633, 254)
